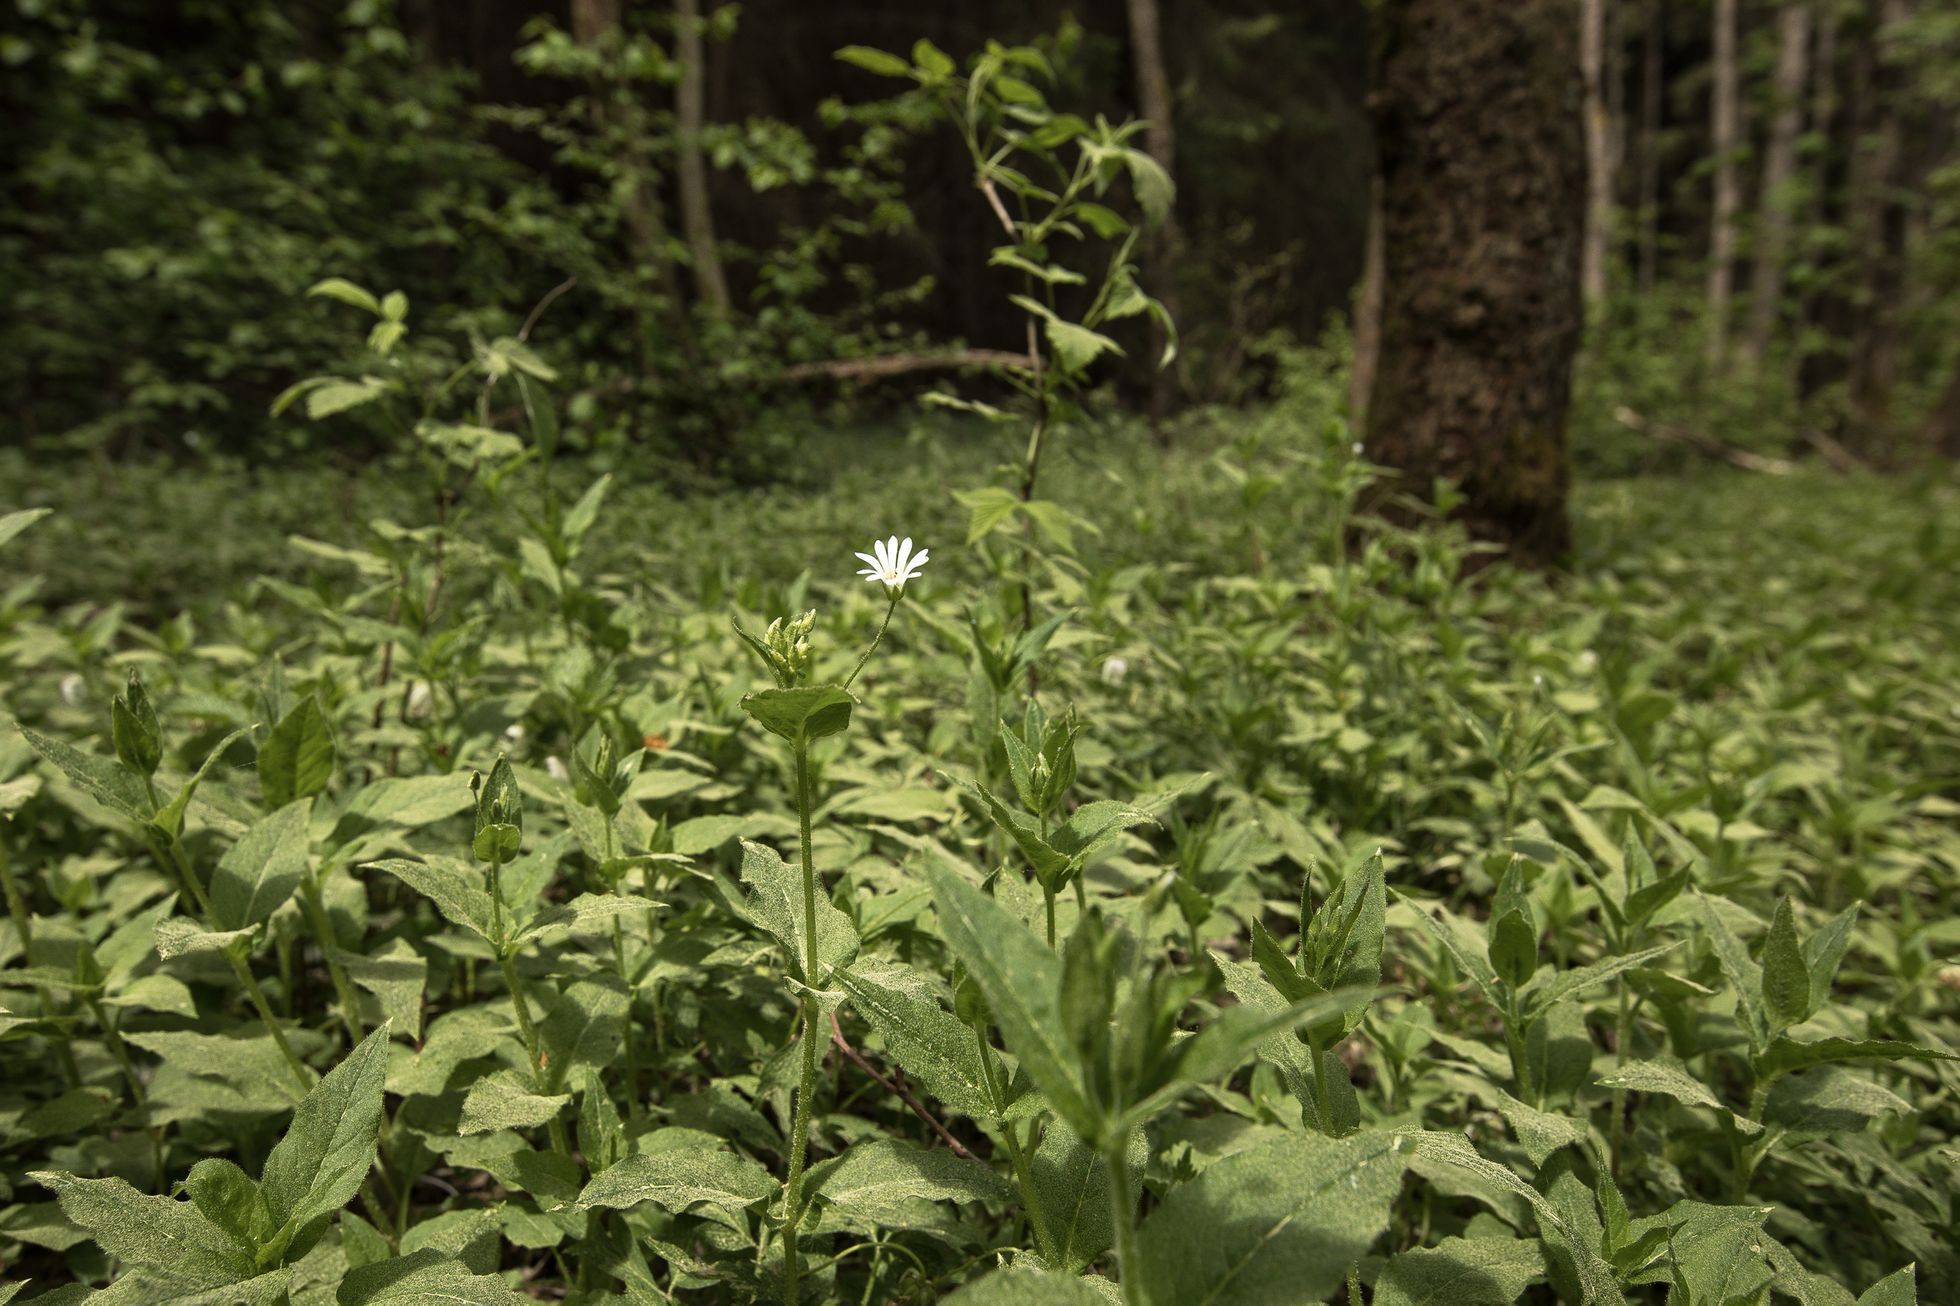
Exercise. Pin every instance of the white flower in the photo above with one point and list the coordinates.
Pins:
(894, 565)
(514, 732)
(1114, 669)
(421, 701)
(74, 690)
(1588, 660)
(555, 768)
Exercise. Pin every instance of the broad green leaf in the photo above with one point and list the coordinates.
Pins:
(1071, 1180)
(257, 875)
(679, 1180)
(802, 714)
(450, 888)
(427, 1277)
(1823, 951)
(104, 779)
(296, 760)
(1900, 1288)
(874, 1184)
(170, 1238)
(1561, 985)
(171, 819)
(925, 1039)
(346, 292)
(503, 1102)
(1281, 1221)
(1669, 1081)
(395, 975)
(584, 1027)
(775, 900)
(1021, 978)
(1713, 1253)
(1596, 1280)
(1787, 1054)
(317, 1167)
(1826, 1100)
(1049, 864)
(177, 936)
(1460, 1272)
(1025, 1285)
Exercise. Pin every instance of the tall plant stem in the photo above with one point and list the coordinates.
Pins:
(807, 1083)
(323, 935)
(241, 968)
(1017, 1154)
(527, 1029)
(876, 639)
(120, 1051)
(1122, 1215)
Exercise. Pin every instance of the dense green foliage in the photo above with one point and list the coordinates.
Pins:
(1287, 911)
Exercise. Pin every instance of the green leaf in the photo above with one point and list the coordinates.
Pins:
(317, 1167)
(1076, 346)
(170, 1238)
(346, 292)
(775, 901)
(1900, 1288)
(1823, 951)
(1021, 980)
(1744, 975)
(802, 714)
(875, 1184)
(679, 1180)
(503, 1102)
(875, 61)
(1670, 1081)
(499, 815)
(1513, 946)
(1561, 985)
(1281, 1221)
(454, 893)
(176, 936)
(133, 726)
(988, 508)
(257, 875)
(1786, 977)
(428, 1277)
(104, 779)
(1787, 1054)
(1071, 1180)
(1460, 1272)
(396, 976)
(1596, 1281)
(1026, 1285)
(925, 1039)
(1050, 865)
(936, 63)
(296, 760)
(584, 1027)
(13, 523)
(171, 819)
(1827, 1100)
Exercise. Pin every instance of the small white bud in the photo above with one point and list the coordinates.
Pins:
(1588, 660)
(514, 732)
(421, 701)
(74, 690)
(1114, 669)
(555, 768)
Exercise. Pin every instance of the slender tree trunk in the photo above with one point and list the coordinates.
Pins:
(593, 19)
(1879, 232)
(1828, 311)
(697, 216)
(1160, 138)
(1725, 131)
(1653, 47)
(1367, 314)
(1777, 208)
(1943, 431)
(1600, 163)
(1483, 165)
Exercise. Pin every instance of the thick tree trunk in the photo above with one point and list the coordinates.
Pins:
(1725, 131)
(1777, 208)
(1600, 163)
(1160, 139)
(1653, 46)
(697, 216)
(1483, 215)
(1367, 314)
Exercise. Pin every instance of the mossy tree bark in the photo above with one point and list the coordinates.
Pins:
(1483, 166)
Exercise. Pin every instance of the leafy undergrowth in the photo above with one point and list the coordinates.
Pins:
(1282, 917)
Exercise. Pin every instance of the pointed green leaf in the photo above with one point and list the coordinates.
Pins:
(257, 875)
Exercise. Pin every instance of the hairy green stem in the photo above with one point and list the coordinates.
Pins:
(1017, 1154)
(323, 935)
(1122, 1215)
(807, 1082)
(243, 970)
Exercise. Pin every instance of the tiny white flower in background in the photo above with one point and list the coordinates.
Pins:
(894, 565)
(1114, 669)
(421, 699)
(1538, 679)
(555, 768)
(1588, 660)
(74, 690)
(514, 732)
(1357, 448)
